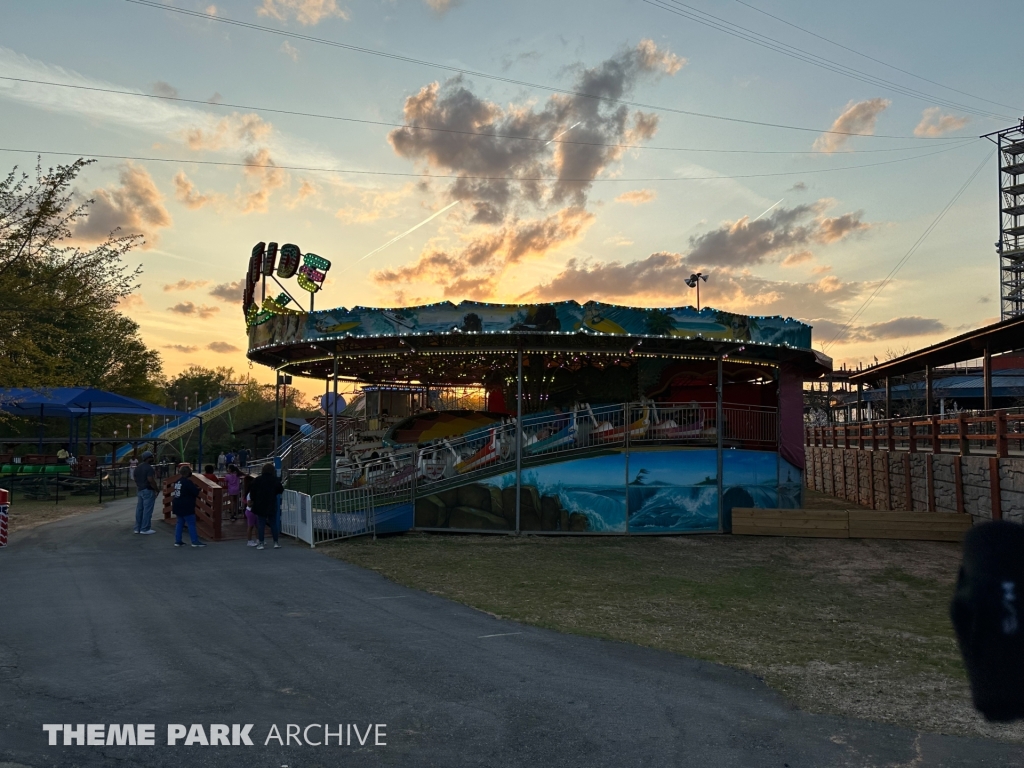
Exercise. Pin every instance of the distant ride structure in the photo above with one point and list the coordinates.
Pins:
(597, 418)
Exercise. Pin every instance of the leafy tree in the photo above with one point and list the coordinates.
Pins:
(58, 300)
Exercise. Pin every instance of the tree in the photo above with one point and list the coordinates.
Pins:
(58, 300)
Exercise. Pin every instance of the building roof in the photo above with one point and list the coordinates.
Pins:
(1004, 336)
(76, 401)
(1004, 384)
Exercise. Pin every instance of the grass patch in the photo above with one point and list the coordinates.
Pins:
(26, 513)
(841, 626)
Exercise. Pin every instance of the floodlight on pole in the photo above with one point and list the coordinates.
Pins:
(694, 282)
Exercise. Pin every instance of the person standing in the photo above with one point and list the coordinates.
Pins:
(222, 461)
(263, 493)
(243, 459)
(145, 492)
(183, 504)
(234, 481)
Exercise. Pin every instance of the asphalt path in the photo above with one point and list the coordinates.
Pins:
(100, 626)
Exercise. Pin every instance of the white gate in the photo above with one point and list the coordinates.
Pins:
(297, 516)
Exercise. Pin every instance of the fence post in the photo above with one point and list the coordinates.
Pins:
(912, 435)
(936, 443)
(1001, 441)
(965, 444)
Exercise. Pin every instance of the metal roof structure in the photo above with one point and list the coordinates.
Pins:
(1004, 336)
(448, 344)
(65, 402)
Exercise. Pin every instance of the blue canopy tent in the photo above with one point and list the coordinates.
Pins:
(74, 402)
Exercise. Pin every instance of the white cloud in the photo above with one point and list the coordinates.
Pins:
(156, 117)
(306, 12)
(934, 123)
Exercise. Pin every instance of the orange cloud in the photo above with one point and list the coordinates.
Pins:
(934, 123)
(306, 12)
(637, 196)
(136, 207)
(858, 117)
(231, 131)
(475, 270)
(185, 285)
(222, 347)
(188, 195)
(261, 169)
(797, 258)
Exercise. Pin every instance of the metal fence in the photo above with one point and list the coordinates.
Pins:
(57, 484)
(341, 515)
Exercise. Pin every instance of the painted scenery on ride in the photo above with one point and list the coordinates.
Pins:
(673, 491)
(561, 317)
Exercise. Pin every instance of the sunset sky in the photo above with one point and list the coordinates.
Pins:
(608, 199)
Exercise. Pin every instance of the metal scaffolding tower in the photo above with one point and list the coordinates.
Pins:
(1010, 246)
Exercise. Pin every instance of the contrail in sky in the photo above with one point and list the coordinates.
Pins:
(396, 238)
(767, 210)
(562, 133)
(433, 216)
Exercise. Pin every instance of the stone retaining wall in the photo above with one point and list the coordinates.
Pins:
(879, 480)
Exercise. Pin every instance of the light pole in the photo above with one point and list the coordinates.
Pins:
(694, 282)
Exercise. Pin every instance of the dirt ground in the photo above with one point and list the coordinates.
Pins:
(840, 626)
(26, 514)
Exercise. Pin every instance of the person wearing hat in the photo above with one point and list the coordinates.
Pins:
(145, 491)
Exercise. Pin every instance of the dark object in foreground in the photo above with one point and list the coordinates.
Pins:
(989, 619)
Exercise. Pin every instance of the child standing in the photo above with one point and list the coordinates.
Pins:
(210, 474)
(251, 522)
(183, 505)
(234, 482)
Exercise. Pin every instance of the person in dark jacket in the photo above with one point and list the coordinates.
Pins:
(263, 493)
(183, 504)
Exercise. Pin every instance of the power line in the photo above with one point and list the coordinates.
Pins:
(872, 58)
(913, 249)
(498, 78)
(764, 41)
(476, 178)
(322, 116)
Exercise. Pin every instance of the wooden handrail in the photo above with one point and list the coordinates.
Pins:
(997, 429)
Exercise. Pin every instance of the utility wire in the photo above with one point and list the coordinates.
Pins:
(321, 116)
(709, 20)
(498, 78)
(872, 58)
(475, 178)
(913, 249)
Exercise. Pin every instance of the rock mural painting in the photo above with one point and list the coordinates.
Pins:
(672, 491)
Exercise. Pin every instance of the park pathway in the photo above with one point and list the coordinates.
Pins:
(101, 626)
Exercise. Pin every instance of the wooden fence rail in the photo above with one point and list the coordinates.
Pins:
(995, 433)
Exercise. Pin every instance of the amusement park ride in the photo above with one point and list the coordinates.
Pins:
(592, 385)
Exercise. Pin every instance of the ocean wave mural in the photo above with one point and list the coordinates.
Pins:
(650, 491)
